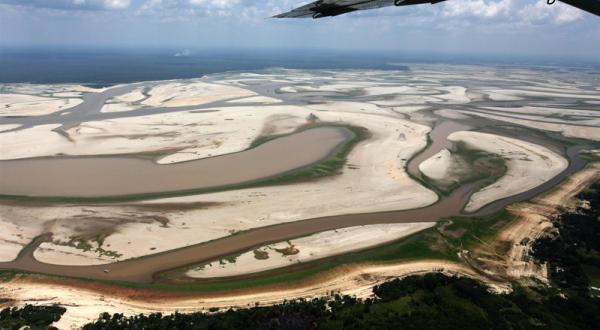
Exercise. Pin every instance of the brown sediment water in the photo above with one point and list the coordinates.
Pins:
(144, 269)
(100, 176)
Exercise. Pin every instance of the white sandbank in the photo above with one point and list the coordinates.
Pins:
(375, 180)
(7, 127)
(436, 167)
(256, 99)
(529, 165)
(194, 93)
(313, 247)
(30, 105)
(566, 129)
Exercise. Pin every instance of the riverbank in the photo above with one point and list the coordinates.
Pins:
(357, 279)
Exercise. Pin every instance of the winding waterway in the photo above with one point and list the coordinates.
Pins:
(143, 269)
(244, 166)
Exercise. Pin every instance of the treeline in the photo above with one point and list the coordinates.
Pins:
(432, 301)
(574, 245)
(32, 317)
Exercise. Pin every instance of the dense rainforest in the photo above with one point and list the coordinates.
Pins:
(433, 301)
(572, 251)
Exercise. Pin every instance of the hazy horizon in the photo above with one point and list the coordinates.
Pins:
(106, 66)
(527, 28)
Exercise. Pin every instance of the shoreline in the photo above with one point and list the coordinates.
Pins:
(123, 270)
(353, 279)
(138, 249)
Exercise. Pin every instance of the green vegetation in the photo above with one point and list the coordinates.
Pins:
(593, 274)
(230, 259)
(433, 301)
(438, 243)
(442, 242)
(84, 245)
(423, 245)
(591, 156)
(77, 243)
(422, 179)
(417, 302)
(332, 165)
(8, 274)
(572, 249)
(30, 317)
(288, 250)
(475, 165)
(469, 232)
(261, 255)
(485, 166)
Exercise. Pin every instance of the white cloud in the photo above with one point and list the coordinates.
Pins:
(116, 4)
(450, 15)
(72, 4)
(541, 13)
(214, 4)
(480, 8)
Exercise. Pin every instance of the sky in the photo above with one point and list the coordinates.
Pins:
(497, 27)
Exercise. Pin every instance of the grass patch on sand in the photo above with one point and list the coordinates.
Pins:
(591, 155)
(469, 232)
(8, 274)
(469, 165)
(85, 245)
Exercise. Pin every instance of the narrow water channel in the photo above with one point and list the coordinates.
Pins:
(143, 270)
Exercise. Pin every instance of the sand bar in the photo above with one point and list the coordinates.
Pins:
(31, 105)
(313, 247)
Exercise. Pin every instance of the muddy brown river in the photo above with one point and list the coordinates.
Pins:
(122, 175)
(145, 269)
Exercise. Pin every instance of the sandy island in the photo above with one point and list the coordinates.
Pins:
(529, 165)
(313, 247)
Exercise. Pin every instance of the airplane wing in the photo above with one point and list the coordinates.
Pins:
(591, 6)
(325, 8)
